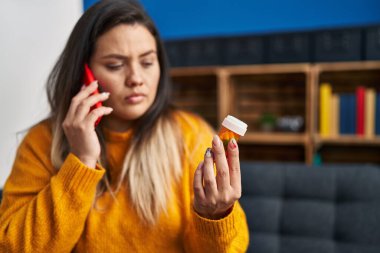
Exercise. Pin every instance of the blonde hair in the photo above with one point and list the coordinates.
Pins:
(151, 167)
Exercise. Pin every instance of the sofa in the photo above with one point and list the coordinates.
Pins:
(294, 208)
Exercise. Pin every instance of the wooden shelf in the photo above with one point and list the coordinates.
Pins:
(250, 91)
(348, 140)
(274, 138)
(268, 69)
(193, 71)
(348, 66)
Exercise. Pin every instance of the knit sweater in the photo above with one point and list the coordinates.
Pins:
(48, 210)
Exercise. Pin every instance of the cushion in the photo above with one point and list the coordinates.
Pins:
(298, 208)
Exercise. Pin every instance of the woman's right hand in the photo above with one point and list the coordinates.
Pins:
(79, 124)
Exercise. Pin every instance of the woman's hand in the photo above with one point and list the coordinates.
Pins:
(214, 196)
(79, 124)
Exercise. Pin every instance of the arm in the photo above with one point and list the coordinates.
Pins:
(229, 234)
(45, 211)
(225, 229)
(40, 211)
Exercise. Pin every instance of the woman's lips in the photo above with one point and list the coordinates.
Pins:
(134, 98)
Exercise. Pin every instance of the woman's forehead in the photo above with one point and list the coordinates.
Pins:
(126, 39)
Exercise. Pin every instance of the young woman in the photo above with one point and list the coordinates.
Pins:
(143, 179)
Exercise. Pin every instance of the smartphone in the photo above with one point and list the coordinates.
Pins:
(88, 78)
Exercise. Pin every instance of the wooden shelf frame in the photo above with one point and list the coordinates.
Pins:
(309, 138)
(347, 140)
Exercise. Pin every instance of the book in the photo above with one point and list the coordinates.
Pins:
(360, 107)
(347, 113)
(369, 117)
(334, 115)
(352, 106)
(343, 113)
(324, 109)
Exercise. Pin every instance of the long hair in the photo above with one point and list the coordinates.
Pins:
(153, 161)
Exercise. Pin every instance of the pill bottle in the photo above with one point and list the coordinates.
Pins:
(231, 128)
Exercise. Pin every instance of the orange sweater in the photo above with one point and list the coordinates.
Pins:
(48, 211)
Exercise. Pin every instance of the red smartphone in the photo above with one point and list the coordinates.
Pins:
(88, 78)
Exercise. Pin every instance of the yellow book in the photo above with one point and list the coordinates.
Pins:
(369, 113)
(334, 115)
(324, 109)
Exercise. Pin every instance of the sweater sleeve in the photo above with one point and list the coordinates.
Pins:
(43, 210)
(229, 234)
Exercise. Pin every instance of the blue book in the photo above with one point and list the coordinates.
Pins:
(347, 113)
(343, 113)
(377, 114)
(352, 114)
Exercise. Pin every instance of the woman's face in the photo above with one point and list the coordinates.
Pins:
(125, 63)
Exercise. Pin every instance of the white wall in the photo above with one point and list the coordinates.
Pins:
(32, 35)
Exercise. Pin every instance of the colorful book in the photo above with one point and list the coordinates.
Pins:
(360, 107)
(324, 109)
(369, 116)
(334, 115)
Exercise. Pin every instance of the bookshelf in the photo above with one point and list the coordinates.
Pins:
(196, 89)
(345, 78)
(250, 92)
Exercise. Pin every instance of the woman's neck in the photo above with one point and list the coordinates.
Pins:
(116, 125)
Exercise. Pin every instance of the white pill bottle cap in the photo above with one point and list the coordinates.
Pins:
(235, 125)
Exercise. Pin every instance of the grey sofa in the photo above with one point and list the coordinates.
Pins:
(294, 208)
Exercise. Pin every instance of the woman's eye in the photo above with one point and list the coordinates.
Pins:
(114, 66)
(147, 64)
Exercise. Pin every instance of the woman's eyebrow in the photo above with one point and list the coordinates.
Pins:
(123, 57)
(117, 56)
(147, 53)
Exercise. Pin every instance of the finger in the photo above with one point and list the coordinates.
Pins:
(84, 107)
(77, 99)
(234, 164)
(87, 90)
(199, 192)
(222, 172)
(96, 113)
(209, 175)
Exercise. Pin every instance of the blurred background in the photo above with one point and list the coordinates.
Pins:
(34, 32)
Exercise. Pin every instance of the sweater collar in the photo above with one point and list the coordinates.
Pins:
(111, 135)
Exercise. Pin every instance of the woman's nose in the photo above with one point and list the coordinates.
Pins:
(134, 78)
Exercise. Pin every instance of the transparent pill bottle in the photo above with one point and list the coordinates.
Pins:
(231, 128)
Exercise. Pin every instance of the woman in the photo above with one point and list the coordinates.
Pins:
(133, 183)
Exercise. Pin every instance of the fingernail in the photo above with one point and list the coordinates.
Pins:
(216, 141)
(105, 94)
(233, 143)
(110, 109)
(208, 153)
(94, 83)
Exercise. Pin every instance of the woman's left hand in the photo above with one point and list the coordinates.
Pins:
(214, 196)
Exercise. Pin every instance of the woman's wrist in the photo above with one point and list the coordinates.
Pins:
(215, 216)
(89, 162)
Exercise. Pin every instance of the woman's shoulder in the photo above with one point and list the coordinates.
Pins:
(39, 134)
(35, 146)
(42, 130)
